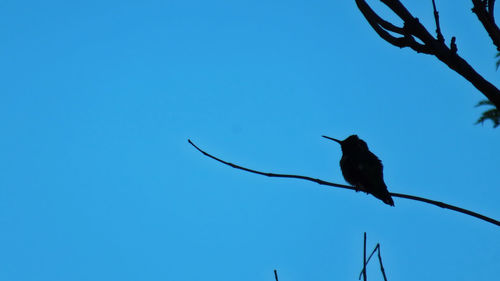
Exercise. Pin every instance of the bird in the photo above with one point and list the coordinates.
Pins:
(362, 169)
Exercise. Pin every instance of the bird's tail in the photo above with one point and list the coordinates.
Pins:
(388, 200)
(385, 196)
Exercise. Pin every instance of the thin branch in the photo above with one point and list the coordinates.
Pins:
(373, 252)
(381, 265)
(275, 275)
(322, 182)
(446, 206)
(364, 257)
(368, 260)
(436, 18)
(376, 249)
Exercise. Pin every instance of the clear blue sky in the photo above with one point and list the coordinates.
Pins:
(98, 181)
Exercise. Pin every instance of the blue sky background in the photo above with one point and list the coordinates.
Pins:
(98, 181)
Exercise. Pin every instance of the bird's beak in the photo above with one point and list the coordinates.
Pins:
(332, 139)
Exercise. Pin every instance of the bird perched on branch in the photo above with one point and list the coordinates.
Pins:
(362, 169)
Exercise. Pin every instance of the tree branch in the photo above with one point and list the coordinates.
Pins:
(382, 27)
(364, 258)
(440, 37)
(448, 55)
(484, 11)
(381, 265)
(376, 249)
(322, 182)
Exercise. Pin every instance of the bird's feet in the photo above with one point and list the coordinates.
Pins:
(359, 188)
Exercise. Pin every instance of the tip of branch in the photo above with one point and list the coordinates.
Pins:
(191, 143)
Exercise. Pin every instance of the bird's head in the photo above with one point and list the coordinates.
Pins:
(352, 143)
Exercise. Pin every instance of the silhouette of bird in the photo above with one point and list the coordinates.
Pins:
(362, 169)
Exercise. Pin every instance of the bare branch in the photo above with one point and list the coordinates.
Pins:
(368, 260)
(484, 11)
(275, 275)
(381, 265)
(382, 27)
(440, 37)
(448, 55)
(376, 249)
(364, 257)
(322, 182)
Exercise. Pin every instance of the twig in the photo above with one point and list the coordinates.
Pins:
(368, 260)
(380, 261)
(322, 182)
(447, 206)
(436, 18)
(376, 249)
(364, 257)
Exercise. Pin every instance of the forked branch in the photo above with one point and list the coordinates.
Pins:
(439, 35)
(376, 249)
(484, 10)
(322, 182)
(415, 36)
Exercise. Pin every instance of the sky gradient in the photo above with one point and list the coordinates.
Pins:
(98, 181)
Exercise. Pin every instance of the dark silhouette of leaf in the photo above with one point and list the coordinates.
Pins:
(491, 114)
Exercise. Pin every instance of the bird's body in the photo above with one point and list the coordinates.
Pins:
(362, 169)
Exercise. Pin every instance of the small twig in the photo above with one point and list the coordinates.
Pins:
(364, 257)
(440, 37)
(447, 206)
(376, 249)
(275, 275)
(368, 260)
(381, 265)
(322, 182)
